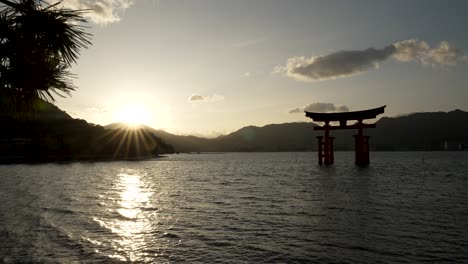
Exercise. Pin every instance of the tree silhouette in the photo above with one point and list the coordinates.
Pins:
(38, 44)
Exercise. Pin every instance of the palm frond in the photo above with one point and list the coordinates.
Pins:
(38, 44)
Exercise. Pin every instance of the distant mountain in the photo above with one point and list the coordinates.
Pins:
(275, 137)
(185, 143)
(422, 131)
(180, 143)
(417, 131)
(48, 134)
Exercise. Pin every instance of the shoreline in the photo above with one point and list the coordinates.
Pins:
(24, 160)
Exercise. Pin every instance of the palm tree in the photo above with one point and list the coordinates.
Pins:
(38, 44)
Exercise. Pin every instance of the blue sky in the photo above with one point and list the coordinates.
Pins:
(230, 58)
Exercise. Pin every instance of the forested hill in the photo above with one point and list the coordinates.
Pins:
(47, 134)
(422, 131)
(418, 131)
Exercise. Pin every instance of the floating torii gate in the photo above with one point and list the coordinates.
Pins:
(325, 144)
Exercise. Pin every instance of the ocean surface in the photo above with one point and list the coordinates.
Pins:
(406, 207)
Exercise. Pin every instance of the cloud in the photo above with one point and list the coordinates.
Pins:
(347, 63)
(339, 64)
(414, 50)
(320, 108)
(196, 98)
(100, 11)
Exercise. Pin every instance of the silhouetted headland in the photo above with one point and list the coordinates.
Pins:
(48, 134)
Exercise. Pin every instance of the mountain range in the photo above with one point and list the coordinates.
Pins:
(417, 131)
(50, 134)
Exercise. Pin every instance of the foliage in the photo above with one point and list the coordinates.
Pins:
(38, 44)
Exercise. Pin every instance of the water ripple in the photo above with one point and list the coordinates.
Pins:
(231, 208)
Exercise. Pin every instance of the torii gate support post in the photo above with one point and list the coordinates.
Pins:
(331, 155)
(366, 150)
(327, 145)
(320, 149)
(361, 146)
(362, 150)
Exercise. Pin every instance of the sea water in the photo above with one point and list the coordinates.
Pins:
(406, 207)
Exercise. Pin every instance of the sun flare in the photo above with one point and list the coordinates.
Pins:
(134, 115)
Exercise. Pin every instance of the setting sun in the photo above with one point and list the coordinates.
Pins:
(134, 115)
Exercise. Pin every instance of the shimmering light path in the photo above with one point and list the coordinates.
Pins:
(251, 207)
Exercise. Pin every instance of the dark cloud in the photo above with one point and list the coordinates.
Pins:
(196, 97)
(348, 63)
(339, 64)
(202, 98)
(320, 108)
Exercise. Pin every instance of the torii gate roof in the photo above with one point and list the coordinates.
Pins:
(342, 116)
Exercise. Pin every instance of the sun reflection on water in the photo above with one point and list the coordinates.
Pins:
(130, 224)
(133, 196)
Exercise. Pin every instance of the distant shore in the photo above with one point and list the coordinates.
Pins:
(29, 160)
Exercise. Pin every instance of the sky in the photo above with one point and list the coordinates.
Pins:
(212, 67)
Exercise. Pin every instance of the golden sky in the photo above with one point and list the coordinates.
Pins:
(212, 67)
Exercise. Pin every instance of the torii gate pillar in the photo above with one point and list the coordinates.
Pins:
(361, 143)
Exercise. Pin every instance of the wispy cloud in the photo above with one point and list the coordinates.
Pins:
(320, 108)
(252, 74)
(196, 98)
(351, 62)
(100, 11)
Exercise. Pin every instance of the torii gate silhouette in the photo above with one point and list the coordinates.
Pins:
(325, 144)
